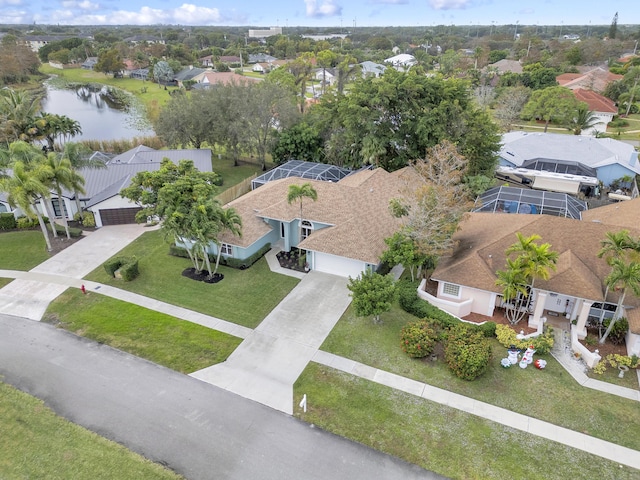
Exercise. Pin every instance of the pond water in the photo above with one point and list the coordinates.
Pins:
(99, 117)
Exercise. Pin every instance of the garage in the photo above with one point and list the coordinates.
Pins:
(119, 216)
(345, 267)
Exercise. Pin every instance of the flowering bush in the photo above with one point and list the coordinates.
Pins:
(542, 343)
(417, 339)
(615, 361)
(467, 352)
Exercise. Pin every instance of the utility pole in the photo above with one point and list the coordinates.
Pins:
(515, 33)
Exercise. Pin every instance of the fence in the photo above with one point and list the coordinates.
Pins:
(236, 191)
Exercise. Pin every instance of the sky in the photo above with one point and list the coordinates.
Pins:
(342, 14)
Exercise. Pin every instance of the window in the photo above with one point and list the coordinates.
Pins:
(55, 202)
(307, 228)
(282, 230)
(226, 249)
(451, 289)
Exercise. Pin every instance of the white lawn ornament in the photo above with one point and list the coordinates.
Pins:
(505, 362)
(528, 355)
(513, 354)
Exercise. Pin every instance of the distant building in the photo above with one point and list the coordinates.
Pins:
(265, 33)
(402, 62)
(136, 39)
(372, 69)
(89, 63)
(595, 79)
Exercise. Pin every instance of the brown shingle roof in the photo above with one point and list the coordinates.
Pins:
(356, 208)
(484, 237)
(620, 214)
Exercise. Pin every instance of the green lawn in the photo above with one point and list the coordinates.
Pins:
(551, 394)
(452, 443)
(5, 281)
(39, 444)
(244, 297)
(22, 250)
(233, 175)
(177, 344)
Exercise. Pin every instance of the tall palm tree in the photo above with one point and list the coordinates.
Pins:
(79, 157)
(24, 188)
(624, 276)
(514, 288)
(60, 174)
(17, 112)
(55, 126)
(584, 120)
(299, 192)
(228, 221)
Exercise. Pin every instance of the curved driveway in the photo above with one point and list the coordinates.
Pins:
(198, 430)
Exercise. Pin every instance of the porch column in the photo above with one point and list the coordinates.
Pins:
(581, 327)
(541, 300)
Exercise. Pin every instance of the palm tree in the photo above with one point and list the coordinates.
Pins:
(533, 261)
(24, 188)
(228, 221)
(17, 112)
(54, 126)
(299, 192)
(584, 120)
(514, 289)
(60, 174)
(624, 276)
(78, 156)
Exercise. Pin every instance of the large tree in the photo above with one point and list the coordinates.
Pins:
(110, 62)
(552, 104)
(392, 120)
(509, 105)
(188, 119)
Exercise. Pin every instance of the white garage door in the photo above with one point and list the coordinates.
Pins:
(342, 266)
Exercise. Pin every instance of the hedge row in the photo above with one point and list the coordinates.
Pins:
(411, 303)
(128, 267)
(228, 261)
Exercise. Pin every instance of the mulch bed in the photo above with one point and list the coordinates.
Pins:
(61, 242)
(201, 275)
(604, 349)
(291, 260)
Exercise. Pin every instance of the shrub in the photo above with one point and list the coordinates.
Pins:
(467, 352)
(619, 330)
(417, 339)
(26, 222)
(7, 221)
(507, 337)
(74, 232)
(88, 220)
(616, 360)
(228, 261)
(128, 267)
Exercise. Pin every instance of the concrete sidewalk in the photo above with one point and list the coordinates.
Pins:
(30, 298)
(265, 366)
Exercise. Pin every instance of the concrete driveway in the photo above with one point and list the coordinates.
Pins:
(267, 363)
(198, 430)
(30, 298)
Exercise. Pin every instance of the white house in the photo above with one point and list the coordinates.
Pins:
(602, 107)
(401, 62)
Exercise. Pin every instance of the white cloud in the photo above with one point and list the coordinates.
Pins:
(185, 14)
(450, 4)
(84, 5)
(326, 8)
(10, 2)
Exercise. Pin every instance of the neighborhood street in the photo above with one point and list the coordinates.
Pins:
(196, 429)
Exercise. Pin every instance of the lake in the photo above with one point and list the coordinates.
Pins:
(99, 117)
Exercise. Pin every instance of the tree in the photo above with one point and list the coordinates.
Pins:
(431, 214)
(80, 157)
(613, 29)
(183, 198)
(228, 221)
(510, 104)
(55, 126)
(556, 104)
(298, 142)
(110, 62)
(17, 113)
(59, 174)
(325, 59)
(24, 189)
(392, 120)
(162, 72)
(301, 68)
(585, 119)
(532, 261)
(403, 250)
(298, 193)
(632, 76)
(347, 69)
(372, 294)
(188, 119)
(625, 276)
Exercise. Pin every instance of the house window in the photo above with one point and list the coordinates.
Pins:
(226, 249)
(281, 229)
(451, 289)
(55, 202)
(307, 228)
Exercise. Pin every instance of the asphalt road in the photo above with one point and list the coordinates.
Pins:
(196, 429)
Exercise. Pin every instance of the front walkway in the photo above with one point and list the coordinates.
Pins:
(265, 366)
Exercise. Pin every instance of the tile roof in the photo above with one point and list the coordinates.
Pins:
(595, 79)
(356, 208)
(484, 237)
(596, 102)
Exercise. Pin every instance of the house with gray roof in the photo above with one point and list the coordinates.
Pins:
(261, 58)
(604, 158)
(372, 69)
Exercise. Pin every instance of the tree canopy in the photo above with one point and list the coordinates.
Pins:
(552, 104)
(372, 294)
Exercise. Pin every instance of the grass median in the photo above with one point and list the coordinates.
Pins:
(39, 444)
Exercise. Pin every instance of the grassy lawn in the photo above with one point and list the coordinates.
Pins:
(177, 344)
(22, 250)
(244, 297)
(449, 442)
(39, 444)
(551, 394)
(230, 174)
